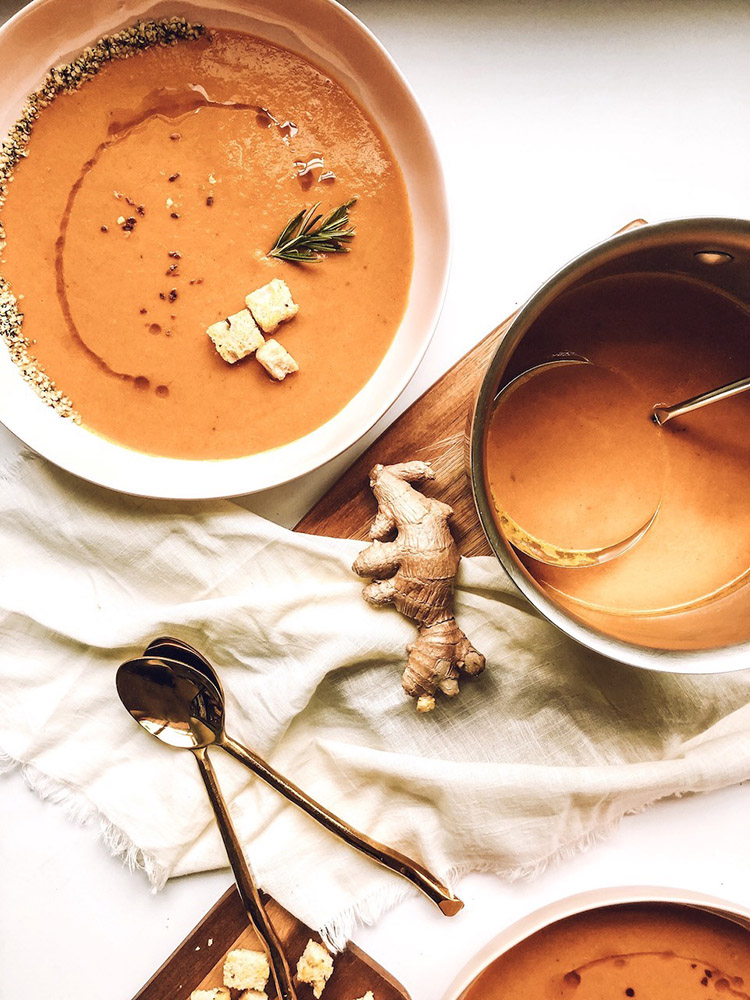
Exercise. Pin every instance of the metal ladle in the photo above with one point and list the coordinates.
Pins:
(544, 539)
(171, 649)
(543, 546)
(661, 413)
(175, 703)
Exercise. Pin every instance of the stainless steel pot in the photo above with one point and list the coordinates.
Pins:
(709, 639)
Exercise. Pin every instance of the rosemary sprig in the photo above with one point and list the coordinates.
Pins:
(308, 237)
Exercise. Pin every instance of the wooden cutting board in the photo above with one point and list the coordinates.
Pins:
(196, 964)
(432, 429)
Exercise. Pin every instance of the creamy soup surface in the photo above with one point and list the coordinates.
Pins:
(177, 139)
(569, 501)
(585, 459)
(646, 952)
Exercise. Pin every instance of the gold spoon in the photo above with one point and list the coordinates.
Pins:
(661, 413)
(175, 704)
(196, 663)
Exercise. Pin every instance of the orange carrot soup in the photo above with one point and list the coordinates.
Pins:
(575, 459)
(644, 952)
(152, 179)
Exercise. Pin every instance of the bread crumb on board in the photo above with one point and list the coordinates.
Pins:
(242, 965)
(236, 337)
(277, 361)
(272, 304)
(246, 970)
(315, 967)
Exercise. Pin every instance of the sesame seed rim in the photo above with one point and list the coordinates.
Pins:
(65, 79)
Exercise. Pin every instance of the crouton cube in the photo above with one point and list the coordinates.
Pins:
(218, 994)
(315, 967)
(277, 361)
(246, 970)
(272, 304)
(236, 336)
(252, 995)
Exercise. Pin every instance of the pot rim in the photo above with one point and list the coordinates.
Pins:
(704, 661)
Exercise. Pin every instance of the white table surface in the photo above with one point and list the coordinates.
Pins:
(557, 123)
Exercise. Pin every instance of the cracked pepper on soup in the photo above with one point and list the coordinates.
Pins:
(207, 243)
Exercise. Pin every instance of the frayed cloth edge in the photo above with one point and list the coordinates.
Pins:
(341, 928)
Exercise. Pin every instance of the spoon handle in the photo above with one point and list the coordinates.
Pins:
(424, 880)
(245, 884)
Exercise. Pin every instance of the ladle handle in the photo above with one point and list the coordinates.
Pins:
(245, 884)
(424, 881)
(664, 413)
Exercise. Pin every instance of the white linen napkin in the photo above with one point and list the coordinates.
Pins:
(545, 751)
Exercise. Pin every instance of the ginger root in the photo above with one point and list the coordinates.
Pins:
(415, 572)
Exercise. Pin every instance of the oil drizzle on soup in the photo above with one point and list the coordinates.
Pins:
(143, 214)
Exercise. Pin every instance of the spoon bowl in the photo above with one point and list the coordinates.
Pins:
(172, 701)
(167, 647)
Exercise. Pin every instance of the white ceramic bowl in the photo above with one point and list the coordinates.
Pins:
(51, 31)
(580, 903)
